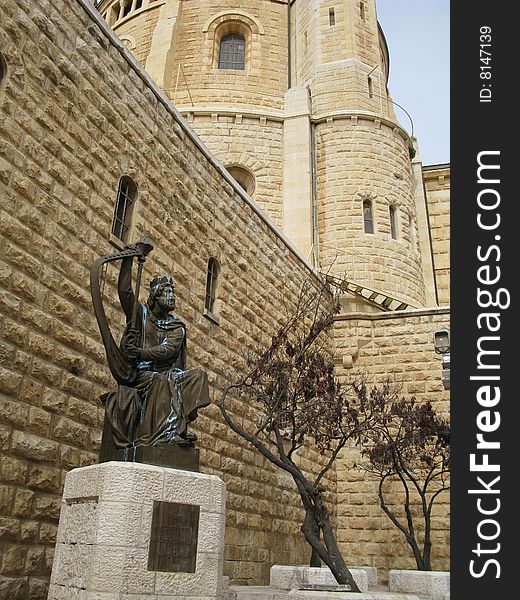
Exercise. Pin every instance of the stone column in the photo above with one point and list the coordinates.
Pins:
(136, 531)
(159, 63)
(297, 177)
(423, 227)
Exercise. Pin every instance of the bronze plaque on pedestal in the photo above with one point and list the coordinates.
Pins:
(175, 533)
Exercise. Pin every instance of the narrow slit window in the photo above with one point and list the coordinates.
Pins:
(211, 285)
(362, 11)
(411, 231)
(126, 196)
(332, 17)
(368, 219)
(370, 88)
(232, 52)
(393, 222)
(3, 69)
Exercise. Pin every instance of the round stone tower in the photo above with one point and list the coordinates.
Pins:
(366, 222)
(292, 97)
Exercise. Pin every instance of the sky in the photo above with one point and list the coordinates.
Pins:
(417, 33)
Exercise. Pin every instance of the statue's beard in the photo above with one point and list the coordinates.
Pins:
(166, 305)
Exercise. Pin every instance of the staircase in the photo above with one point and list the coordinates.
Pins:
(382, 300)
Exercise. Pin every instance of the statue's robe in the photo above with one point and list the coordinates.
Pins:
(166, 397)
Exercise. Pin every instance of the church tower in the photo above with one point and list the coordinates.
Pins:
(291, 96)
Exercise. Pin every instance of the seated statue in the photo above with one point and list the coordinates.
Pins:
(164, 397)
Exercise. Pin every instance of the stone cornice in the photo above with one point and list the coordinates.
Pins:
(397, 314)
(280, 115)
(233, 111)
(365, 115)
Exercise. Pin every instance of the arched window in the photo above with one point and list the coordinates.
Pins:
(211, 287)
(368, 218)
(232, 53)
(243, 177)
(126, 196)
(393, 221)
(127, 7)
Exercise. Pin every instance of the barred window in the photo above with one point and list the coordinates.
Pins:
(368, 217)
(126, 196)
(232, 52)
(211, 285)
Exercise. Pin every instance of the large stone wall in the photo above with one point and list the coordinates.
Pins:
(253, 143)
(399, 346)
(77, 113)
(137, 29)
(437, 187)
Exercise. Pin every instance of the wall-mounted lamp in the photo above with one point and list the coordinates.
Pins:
(441, 340)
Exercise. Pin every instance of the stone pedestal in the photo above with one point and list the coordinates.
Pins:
(284, 577)
(131, 531)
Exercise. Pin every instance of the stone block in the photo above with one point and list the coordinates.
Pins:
(429, 585)
(289, 577)
(106, 526)
(237, 592)
(225, 587)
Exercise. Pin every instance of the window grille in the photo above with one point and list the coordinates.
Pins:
(232, 52)
(126, 195)
(211, 285)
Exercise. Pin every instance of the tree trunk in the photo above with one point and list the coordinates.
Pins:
(315, 557)
(316, 519)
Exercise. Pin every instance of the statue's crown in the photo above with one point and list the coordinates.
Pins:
(156, 281)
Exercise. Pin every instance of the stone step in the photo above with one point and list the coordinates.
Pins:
(266, 593)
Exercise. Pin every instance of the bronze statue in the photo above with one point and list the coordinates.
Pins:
(157, 397)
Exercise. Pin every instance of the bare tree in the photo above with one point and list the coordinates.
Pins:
(297, 399)
(410, 444)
